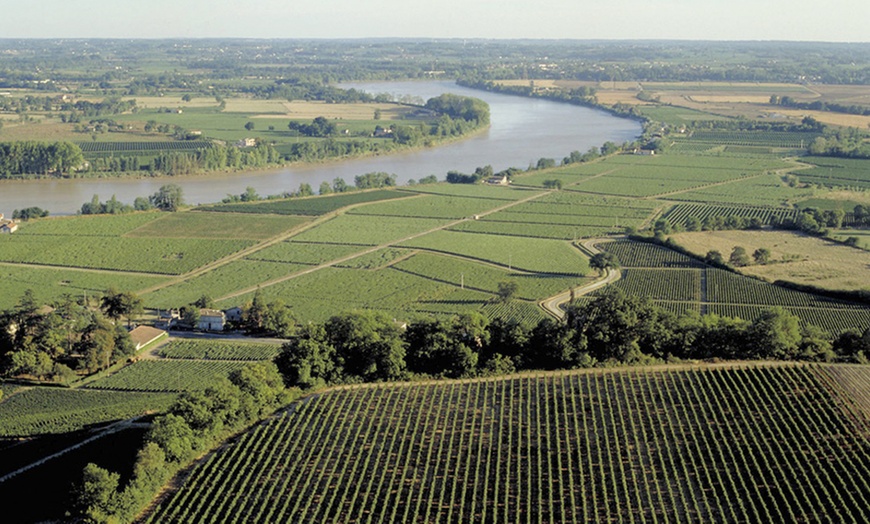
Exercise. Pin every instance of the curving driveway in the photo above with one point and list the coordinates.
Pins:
(553, 304)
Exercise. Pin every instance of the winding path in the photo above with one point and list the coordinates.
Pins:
(553, 304)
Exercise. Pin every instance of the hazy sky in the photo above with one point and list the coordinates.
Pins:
(818, 20)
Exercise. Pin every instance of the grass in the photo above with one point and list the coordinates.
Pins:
(797, 257)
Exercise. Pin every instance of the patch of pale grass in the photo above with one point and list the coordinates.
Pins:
(796, 257)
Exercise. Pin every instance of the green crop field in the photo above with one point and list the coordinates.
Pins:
(166, 375)
(49, 284)
(743, 444)
(836, 172)
(217, 349)
(317, 205)
(44, 410)
(727, 287)
(171, 256)
(483, 277)
(765, 190)
(429, 206)
(236, 275)
(641, 254)
(308, 253)
(545, 231)
(376, 259)
(529, 254)
(679, 214)
(662, 284)
(475, 191)
(240, 226)
(89, 225)
(367, 230)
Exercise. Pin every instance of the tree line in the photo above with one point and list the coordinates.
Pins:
(195, 423)
(20, 159)
(613, 329)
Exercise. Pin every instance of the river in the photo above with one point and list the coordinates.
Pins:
(522, 131)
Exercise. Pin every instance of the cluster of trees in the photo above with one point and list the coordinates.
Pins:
(29, 212)
(113, 206)
(849, 143)
(49, 343)
(480, 174)
(216, 157)
(319, 127)
(374, 180)
(472, 110)
(739, 257)
(613, 329)
(809, 220)
(196, 422)
(820, 105)
(20, 159)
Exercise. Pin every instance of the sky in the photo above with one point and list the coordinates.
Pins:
(807, 20)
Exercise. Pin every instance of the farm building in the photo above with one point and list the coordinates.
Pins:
(247, 142)
(144, 335)
(211, 320)
(8, 226)
(498, 180)
(233, 314)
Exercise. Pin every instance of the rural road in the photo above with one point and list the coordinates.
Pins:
(552, 304)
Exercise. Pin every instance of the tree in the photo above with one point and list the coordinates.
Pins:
(98, 345)
(168, 198)
(604, 261)
(714, 258)
(325, 188)
(506, 290)
(693, 223)
(776, 333)
(141, 204)
(249, 126)
(662, 227)
(739, 257)
(174, 436)
(761, 256)
(96, 495)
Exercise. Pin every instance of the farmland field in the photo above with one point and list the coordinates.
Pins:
(754, 444)
(236, 275)
(764, 190)
(367, 230)
(170, 256)
(49, 284)
(679, 214)
(848, 172)
(239, 226)
(166, 375)
(529, 254)
(216, 349)
(795, 257)
(43, 410)
(429, 206)
(308, 253)
(314, 206)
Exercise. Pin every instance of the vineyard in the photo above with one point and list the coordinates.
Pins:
(836, 172)
(311, 206)
(738, 444)
(166, 375)
(237, 226)
(679, 214)
(124, 148)
(642, 254)
(367, 230)
(683, 283)
(44, 410)
(783, 139)
(216, 349)
(764, 190)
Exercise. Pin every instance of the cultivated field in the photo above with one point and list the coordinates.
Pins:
(795, 257)
(755, 444)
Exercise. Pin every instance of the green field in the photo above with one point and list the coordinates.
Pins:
(46, 410)
(313, 206)
(743, 444)
(50, 284)
(166, 375)
(170, 256)
(529, 254)
(239, 226)
(365, 230)
(216, 349)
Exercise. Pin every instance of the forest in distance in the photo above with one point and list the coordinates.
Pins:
(674, 327)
